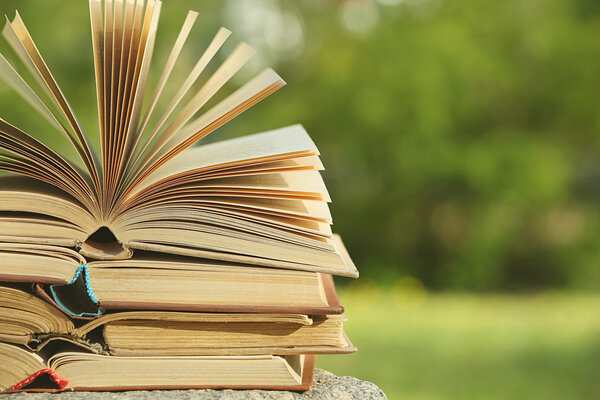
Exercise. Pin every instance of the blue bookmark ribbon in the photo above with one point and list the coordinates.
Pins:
(90, 293)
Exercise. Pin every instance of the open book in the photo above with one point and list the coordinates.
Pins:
(20, 369)
(256, 200)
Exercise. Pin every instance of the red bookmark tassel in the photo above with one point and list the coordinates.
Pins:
(60, 382)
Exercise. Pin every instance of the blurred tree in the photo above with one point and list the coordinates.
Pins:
(460, 137)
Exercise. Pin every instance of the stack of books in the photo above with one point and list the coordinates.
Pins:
(150, 263)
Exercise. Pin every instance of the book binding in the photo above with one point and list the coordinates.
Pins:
(82, 272)
(61, 383)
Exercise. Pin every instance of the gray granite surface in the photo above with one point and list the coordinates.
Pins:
(327, 386)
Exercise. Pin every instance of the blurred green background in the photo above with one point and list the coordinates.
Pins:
(462, 153)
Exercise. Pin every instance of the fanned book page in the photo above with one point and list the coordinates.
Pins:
(256, 200)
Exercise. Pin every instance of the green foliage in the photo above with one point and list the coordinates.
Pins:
(416, 345)
(460, 137)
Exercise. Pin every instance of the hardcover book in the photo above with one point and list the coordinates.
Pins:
(160, 282)
(83, 371)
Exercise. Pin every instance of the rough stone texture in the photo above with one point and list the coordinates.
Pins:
(327, 386)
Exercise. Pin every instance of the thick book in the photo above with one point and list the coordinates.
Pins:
(159, 282)
(31, 322)
(257, 200)
(22, 370)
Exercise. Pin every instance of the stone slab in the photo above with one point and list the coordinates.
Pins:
(327, 386)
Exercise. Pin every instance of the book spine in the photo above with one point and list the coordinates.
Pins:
(81, 273)
(61, 383)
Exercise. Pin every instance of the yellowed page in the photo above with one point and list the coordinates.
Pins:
(89, 370)
(98, 47)
(138, 35)
(17, 365)
(252, 92)
(307, 209)
(190, 317)
(218, 216)
(234, 246)
(196, 336)
(301, 183)
(21, 194)
(122, 95)
(20, 31)
(168, 68)
(208, 55)
(195, 218)
(300, 163)
(37, 263)
(232, 64)
(16, 82)
(25, 228)
(30, 157)
(335, 266)
(133, 80)
(284, 142)
(24, 314)
(194, 283)
(146, 50)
